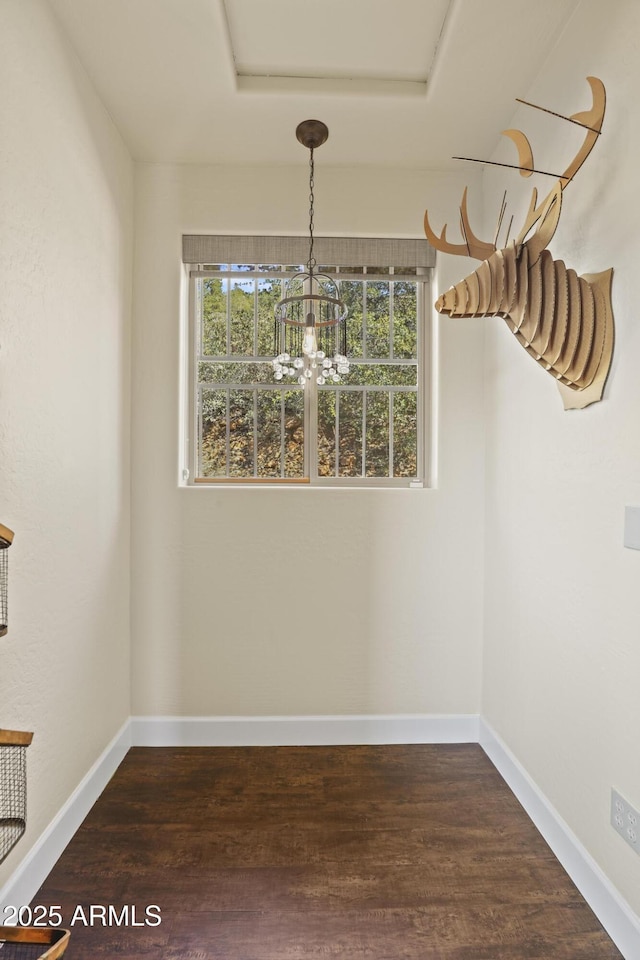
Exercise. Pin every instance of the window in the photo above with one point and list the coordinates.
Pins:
(246, 426)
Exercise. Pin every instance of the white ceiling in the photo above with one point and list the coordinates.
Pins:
(337, 41)
(406, 83)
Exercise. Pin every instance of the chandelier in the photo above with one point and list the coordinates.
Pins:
(310, 336)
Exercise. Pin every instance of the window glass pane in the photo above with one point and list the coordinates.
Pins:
(405, 328)
(406, 271)
(383, 374)
(377, 319)
(327, 433)
(351, 293)
(350, 463)
(214, 318)
(294, 433)
(212, 453)
(269, 292)
(350, 270)
(377, 462)
(269, 433)
(378, 270)
(241, 422)
(242, 309)
(405, 435)
(211, 372)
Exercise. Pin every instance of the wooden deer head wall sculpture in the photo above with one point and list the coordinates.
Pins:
(565, 322)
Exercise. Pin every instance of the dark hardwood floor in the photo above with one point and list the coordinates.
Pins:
(279, 853)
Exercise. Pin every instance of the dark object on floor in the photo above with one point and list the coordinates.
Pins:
(13, 788)
(32, 943)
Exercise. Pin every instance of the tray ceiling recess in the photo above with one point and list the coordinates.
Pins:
(335, 46)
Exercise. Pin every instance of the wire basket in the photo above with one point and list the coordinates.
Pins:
(6, 539)
(32, 943)
(13, 789)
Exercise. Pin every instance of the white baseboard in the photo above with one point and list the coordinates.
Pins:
(613, 912)
(41, 858)
(306, 731)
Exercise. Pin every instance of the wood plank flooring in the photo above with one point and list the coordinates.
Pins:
(284, 853)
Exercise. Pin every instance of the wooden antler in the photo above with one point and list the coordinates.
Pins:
(547, 212)
(472, 247)
(591, 120)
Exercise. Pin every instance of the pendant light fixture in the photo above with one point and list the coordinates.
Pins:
(310, 337)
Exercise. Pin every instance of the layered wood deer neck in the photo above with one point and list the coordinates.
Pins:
(565, 322)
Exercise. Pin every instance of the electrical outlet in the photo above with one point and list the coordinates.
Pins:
(625, 820)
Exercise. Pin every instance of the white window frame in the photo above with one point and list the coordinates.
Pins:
(423, 361)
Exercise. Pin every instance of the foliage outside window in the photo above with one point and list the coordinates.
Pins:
(245, 425)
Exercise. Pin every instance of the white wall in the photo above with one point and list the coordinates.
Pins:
(562, 635)
(219, 610)
(217, 614)
(65, 250)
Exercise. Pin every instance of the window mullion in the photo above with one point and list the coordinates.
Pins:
(311, 428)
(364, 433)
(194, 439)
(422, 346)
(228, 436)
(228, 318)
(391, 395)
(391, 291)
(337, 435)
(256, 303)
(364, 320)
(282, 434)
(199, 433)
(255, 433)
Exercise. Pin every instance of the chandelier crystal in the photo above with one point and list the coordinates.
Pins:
(310, 334)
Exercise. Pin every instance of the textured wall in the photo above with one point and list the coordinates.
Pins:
(562, 639)
(219, 611)
(65, 249)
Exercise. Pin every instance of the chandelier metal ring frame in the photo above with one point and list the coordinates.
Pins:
(310, 297)
(310, 334)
